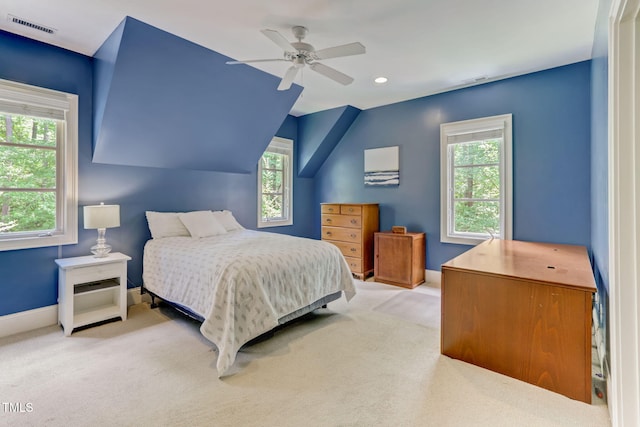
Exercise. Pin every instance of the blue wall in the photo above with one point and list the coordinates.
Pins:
(599, 169)
(551, 157)
(319, 134)
(28, 278)
(552, 193)
(599, 147)
(145, 76)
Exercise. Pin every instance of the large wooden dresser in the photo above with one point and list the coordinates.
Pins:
(522, 309)
(350, 227)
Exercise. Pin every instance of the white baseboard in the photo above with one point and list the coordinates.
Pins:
(29, 320)
(133, 296)
(432, 277)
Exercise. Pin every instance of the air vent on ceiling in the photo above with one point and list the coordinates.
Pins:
(24, 22)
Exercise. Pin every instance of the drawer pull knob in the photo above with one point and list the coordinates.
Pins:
(328, 219)
(353, 249)
(353, 236)
(330, 209)
(350, 209)
(328, 233)
(353, 221)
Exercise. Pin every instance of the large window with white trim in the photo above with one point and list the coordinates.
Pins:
(38, 167)
(476, 180)
(275, 184)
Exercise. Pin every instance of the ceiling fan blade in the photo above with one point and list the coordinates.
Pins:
(332, 73)
(286, 81)
(343, 50)
(278, 39)
(254, 60)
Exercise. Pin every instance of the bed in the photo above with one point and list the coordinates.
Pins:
(242, 283)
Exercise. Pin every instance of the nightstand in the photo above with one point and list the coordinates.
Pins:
(91, 290)
(399, 258)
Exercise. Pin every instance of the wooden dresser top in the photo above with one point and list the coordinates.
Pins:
(354, 204)
(564, 265)
(408, 233)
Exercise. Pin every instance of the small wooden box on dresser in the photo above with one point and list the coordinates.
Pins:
(399, 259)
(350, 226)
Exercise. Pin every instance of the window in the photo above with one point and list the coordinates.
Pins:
(38, 173)
(275, 184)
(476, 180)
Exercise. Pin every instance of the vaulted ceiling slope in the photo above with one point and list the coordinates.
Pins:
(318, 135)
(163, 101)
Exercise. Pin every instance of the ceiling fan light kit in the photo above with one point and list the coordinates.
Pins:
(300, 54)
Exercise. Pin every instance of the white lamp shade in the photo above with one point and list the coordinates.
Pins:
(102, 216)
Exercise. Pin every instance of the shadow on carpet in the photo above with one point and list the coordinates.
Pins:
(415, 307)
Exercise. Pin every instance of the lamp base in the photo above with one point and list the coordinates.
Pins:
(101, 249)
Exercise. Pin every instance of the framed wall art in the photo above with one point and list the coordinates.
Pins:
(382, 167)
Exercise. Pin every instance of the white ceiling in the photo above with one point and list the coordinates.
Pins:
(422, 46)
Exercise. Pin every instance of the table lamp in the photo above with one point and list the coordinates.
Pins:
(101, 217)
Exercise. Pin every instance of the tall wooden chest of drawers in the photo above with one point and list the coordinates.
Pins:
(350, 226)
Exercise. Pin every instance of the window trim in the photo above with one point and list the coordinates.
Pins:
(278, 145)
(506, 178)
(43, 100)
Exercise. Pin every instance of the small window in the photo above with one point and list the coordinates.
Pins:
(476, 180)
(275, 184)
(38, 154)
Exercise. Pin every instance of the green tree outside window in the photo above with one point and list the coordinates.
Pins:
(27, 173)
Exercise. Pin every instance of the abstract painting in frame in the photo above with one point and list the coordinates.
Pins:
(382, 167)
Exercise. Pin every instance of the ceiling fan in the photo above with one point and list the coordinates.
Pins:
(300, 54)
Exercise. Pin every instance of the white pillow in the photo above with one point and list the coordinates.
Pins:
(165, 224)
(227, 220)
(201, 224)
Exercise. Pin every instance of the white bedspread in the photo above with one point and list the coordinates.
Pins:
(243, 281)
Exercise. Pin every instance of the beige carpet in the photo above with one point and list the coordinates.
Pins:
(347, 367)
(416, 307)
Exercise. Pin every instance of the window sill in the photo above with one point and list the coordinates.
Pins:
(472, 241)
(274, 224)
(37, 242)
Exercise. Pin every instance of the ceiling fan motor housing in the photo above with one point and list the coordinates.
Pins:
(303, 47)
(305, 53)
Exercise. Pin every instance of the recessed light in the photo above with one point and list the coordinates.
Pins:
(380, 80)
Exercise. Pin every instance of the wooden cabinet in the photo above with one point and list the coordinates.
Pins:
(350, 226)
(399, 259)
(522, 309)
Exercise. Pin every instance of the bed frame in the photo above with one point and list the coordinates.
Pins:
(180, 308)
(284, 320)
